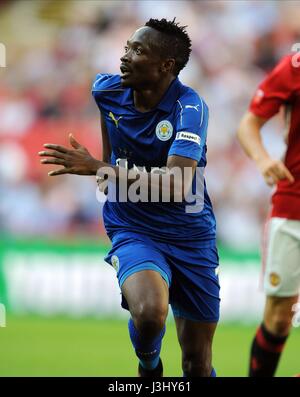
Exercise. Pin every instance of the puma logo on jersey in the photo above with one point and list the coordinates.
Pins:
(192, 107)
(116, 121)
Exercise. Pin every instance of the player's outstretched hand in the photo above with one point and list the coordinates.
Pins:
(74, 161)
(274, 171)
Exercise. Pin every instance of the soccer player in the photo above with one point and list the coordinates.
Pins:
(281, 88)
(162, 253)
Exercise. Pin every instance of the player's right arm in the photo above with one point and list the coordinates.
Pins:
(249, 136)
(272, 93)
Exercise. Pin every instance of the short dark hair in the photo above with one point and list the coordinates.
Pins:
(175, 42)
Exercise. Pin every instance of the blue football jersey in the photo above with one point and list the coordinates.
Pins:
(177, 126)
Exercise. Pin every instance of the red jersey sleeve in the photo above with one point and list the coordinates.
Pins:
(275, 90)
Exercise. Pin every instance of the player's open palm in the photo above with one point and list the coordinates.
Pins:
(274, 170)
(74, 161)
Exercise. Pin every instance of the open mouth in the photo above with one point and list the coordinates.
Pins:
(125, 75)
(124, 72)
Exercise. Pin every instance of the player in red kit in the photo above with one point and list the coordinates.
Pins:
(281, 88)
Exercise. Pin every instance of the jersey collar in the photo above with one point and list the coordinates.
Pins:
(167, 102)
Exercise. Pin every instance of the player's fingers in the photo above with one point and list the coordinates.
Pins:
(54, 161)
(51, 154)
(61, 171)
(287, 174)
(74, 143)
(281, 172)
(271, 178)
(59, 148)
(276, 174)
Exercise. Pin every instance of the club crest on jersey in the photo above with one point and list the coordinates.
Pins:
(115, 262)
(164, 130)
(274, 279)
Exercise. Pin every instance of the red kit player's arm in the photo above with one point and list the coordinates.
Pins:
(274, 91)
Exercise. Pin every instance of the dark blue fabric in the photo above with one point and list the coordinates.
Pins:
(148, 352)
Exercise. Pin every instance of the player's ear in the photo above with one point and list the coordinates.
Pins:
(168, 65)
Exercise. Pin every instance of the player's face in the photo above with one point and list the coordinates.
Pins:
(141, 65)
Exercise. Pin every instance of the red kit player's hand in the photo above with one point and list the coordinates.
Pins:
(274, 171)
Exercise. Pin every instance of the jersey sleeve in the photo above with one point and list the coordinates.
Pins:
(275, 90)
(104, 85)
(191, 129)
(102, 82)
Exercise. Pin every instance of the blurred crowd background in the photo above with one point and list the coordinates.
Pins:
(54, 49)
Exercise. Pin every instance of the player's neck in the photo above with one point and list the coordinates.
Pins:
(146, 100)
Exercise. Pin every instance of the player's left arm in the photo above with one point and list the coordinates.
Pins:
(273, 92)
(190, 140)
(181, 170)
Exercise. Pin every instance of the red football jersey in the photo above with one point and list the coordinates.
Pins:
(282, 88)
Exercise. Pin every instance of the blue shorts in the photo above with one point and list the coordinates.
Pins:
(191, 273)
